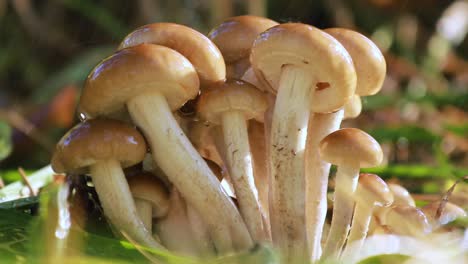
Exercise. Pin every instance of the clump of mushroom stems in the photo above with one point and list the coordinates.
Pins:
(283, 159)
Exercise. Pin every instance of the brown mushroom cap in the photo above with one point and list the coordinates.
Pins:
(95, 140)
(142, 69)
(401, 196)
(449, 213)
(353, 107)
(233, 95)
(313, 50)
(235, 36)
(148, 187)
(373, 190)
(198, 49)
(406, 220)
(351, 146)
(368, 60)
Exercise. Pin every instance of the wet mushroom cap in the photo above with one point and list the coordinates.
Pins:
(197, 48)
(368, 60)
(95, 140)
(142, 69)
(235, 36)
(449, 213)
(148, 187)
(406, 220)
(401, 196)
(372, 188)
(351, 146)
(313, 50)
(233, 95)
(353, 107)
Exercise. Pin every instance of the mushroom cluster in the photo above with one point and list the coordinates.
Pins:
(251, 163)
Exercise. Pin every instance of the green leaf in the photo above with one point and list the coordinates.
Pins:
(5, 140)
(412, 133)
(385, 259)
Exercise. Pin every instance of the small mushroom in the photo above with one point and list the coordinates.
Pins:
(152, 81)
(350, 149)
(231, 106)
(371, 192)
(449, 213)
(103, 147)
(234, 38)
(292, 60)
(370, 67)
(406, 220)
(150, 196)
(401, 196)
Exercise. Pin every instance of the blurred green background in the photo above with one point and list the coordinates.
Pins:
(420, 117)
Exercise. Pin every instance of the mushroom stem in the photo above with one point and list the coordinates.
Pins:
(317, 172)
(239, 163)
(145, 212)
(188, 171)
(343, 205)
(257, 141)
(111, 186)
(287, 147)
(174, 229)
(360, 226)
(200, 233)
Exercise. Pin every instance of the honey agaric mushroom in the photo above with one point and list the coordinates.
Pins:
(371, 192)
(406, 220)
(150, 196)
(234, 38)
(401, 196)
(292, 59)
(198, 49)
(103, 147)
(370, 67)
(448, 213)
(152, 81)
(350, 149)
(231, 105)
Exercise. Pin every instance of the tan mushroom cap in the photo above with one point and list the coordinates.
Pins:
(368, 60)
(142, 69)
(198, 49)
(351, 146)
(98, 140)
(313, 50)
(406, 220)
(372, 189)
(235, 36)
(401, 196)
(353, 107)
(449, 213)
(201, 138)
(233, 95)
(148, 187)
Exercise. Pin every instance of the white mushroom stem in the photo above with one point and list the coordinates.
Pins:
(239, 164)
(317, 171)
(360, 226)
(346, 181)
(200, 233)
(174, 229)
(186, 169)
(259, 156)
(117, 202)
(287, 149)
(145, 212)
